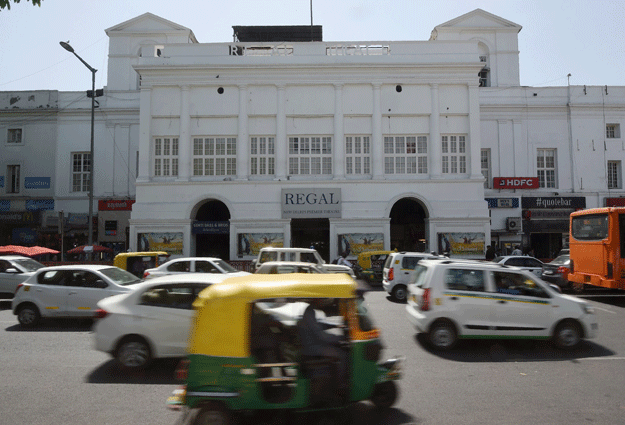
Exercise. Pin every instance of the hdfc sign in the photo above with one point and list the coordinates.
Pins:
(515, 182)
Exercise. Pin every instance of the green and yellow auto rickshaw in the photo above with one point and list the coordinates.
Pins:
(137, 262)
(249, 349)
(369, 266)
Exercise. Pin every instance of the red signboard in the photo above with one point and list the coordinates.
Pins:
(515, 182)
(115, 205)
(615, 202)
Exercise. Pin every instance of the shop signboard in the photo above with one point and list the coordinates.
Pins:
(502, 202)
(20, 217)
(311, 203)
(36, 182)
(115, 204)
(210, 227)
(39, 204)
(5, 205)
(615, 202)
(552, 202)
(515, 182)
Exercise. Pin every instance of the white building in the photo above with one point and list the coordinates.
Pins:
(349, 144)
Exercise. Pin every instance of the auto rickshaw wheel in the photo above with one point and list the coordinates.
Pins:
(213, 414)
(384, 394)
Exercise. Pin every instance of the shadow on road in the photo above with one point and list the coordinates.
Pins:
(161, 372)
(514, 351)
(55, 325)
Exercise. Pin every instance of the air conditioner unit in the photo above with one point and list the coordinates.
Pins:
(513, 224)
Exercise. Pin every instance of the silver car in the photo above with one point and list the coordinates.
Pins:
(15, 269)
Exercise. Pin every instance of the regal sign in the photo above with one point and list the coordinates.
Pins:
(515, 182)
(311, 203)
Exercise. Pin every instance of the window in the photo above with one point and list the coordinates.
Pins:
(464, 280)
(14, 136)
(592, 227)
(614, 175)
(81, 167)
(170, 296)
(405, 155)
(483, 75)
(454, 154)
(205, 267)
(357, 155)
(262, 156)
(165, 157)
(179, 266)
(215, 156)
(485, 165)
(613, 131)
(13, 176)
(310, 155)
(518, 284)
(546, 168)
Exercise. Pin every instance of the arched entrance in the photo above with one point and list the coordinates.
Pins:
(312, 233)
(408, 226)
(212, 230)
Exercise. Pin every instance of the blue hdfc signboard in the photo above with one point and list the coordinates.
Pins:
(37, 182)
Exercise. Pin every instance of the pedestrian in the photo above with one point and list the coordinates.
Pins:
(517, 250)
(490, 253)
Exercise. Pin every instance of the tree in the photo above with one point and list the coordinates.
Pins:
(6, 4)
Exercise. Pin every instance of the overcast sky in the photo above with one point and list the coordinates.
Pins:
(582, 37)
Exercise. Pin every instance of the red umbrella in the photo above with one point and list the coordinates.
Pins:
(14, 249)
(89, 248)
(41, 250)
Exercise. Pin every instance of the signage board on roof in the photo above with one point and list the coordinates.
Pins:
(550, 202)
(515, 182)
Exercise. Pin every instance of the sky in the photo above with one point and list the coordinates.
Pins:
(579, 37)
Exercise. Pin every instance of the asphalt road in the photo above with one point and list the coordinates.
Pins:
(51, 375)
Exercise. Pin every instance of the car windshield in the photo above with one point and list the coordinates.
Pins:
(419, 276)
(227, 268)
(562, 259)
(497, 259)
(28, 264)
(119, 276)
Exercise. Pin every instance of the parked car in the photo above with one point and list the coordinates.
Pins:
(281, 267)
(524, 262)
(303, 255)
(193, 265)
(557, 271)
(68, 291)
(152, 321)
(449, 300)
(398, 270)
(15, 269)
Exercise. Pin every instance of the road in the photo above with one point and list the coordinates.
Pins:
(52, 375)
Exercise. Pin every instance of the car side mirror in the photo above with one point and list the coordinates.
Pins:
(556, 288)
(100, 284)
(12, 270)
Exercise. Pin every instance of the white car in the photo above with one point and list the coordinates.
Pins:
(524, 262)
(398, 270)
(299, 255)
(152, 321)
(193, 265)
(281, 267)
(67, 291)
(15, 269)
(449, 300)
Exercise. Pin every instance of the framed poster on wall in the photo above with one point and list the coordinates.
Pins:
(168, 242)
(464, 245)
(251, 243)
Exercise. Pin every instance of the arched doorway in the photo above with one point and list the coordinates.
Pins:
(408, 226)
(212, 239)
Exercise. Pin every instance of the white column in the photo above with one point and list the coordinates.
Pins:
(377, 143)
(145, 134)
(185, 144)
(242, 138)
(434, 142)
(475, 140)
(338, 153)
(281, 141)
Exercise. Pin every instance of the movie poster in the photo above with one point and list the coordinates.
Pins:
(168, 242)
(352, 244)
(465, 245)
(251, 243)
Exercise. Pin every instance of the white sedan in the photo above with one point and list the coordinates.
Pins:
(281, 267)
(193, 265)
(524, 262)
(152, 321)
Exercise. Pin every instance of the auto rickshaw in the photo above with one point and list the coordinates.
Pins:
(370, 265)
(137, 262)
(246, 352)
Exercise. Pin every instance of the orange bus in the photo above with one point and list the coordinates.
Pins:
(597, 245)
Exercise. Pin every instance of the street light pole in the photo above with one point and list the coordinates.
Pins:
(70, 49)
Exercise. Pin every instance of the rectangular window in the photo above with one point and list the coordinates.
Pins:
(613, 131)
(13, 176)
(546, 168)
(310, 155)
(214, 156)
(358, 155)
(405, 154)
(14, 136)
(454, 159)
(485, 166)
(262, 156)
(614, 175)
(81, 167)
(166, 157)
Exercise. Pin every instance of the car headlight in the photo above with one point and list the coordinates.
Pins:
(588, 309)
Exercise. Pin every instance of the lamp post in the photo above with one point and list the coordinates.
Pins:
(70, 49)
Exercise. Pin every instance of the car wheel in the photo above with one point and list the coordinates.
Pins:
(28, 315)
(400, 293)
(134, 353)
(567, 335)
(442, 335)
(384, 395)
(213, 414)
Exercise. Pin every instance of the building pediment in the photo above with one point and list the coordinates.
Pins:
(148, 23)
(479, 19)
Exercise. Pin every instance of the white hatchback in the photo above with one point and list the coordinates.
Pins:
(210, 265)
(67, 291)
(152, 321)
(450, 299)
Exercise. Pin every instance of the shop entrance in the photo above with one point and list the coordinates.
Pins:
(546, 245)
(408, 226)
(312, 232)
(216, 244)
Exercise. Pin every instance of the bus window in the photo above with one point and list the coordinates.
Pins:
(590, 227)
